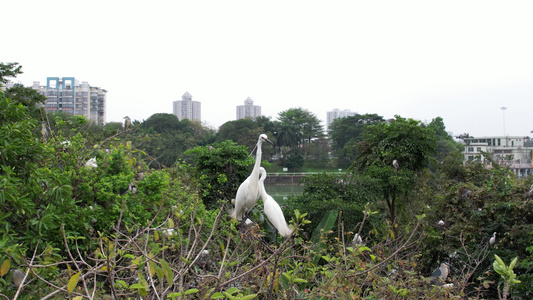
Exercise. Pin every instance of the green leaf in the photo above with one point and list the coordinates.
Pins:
(73, 281)
(513, 263)
(217, 295)
(173, 295)
(232, 290)
(326, 224)
(167, 271)
(190, 291)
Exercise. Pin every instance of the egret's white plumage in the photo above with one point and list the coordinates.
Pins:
(248, 192)
(91, 163)
(492, 239)
(395, 164)
(272, 208)
(357, 240)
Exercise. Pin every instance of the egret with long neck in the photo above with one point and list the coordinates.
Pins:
(248, 191)
(272, 209)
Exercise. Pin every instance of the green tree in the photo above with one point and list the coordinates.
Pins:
(345, 133)
(399, 139)
(164, 138)
(162, 122)
(348, 194)
(242, 131)
(220, 168)
(302, 126)
(9, 70)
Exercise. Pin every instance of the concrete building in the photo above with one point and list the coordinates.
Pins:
(248, 110)
(336, 113)
(187, 109)
(504, 150)
(66, 94)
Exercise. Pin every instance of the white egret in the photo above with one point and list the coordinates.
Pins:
(357, 240)
(492, 239)
(91, 163)
(248, 192)
(395, 164)
(441, 272)
(440, 223)
(272, 208)
(168, 232)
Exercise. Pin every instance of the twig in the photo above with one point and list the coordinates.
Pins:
(390, 256)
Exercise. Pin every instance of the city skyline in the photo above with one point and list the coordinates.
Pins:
(459, 60)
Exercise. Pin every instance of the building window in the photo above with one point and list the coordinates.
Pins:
(478, 149)
(470, 149)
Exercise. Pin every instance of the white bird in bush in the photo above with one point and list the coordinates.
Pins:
(248, 192)
(395, 164)
(168, 232)
(272, 209)
(357, 240)
(91, 163)
(492, 239)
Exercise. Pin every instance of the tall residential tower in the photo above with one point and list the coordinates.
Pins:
(187, 109)
(336, 113)
(248, 110)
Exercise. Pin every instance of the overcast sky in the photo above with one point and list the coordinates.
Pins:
(460, 60)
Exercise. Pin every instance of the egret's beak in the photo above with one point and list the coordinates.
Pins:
(269, 142)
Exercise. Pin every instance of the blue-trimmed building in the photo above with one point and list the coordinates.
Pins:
(68, 95)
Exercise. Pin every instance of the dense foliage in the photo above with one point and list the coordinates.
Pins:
(107, 212)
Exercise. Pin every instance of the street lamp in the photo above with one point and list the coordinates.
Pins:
(503, 108)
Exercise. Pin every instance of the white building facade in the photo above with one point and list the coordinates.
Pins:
(66, 94)
(248, 110)
(186, 108)
(336, 113)
(504, 150)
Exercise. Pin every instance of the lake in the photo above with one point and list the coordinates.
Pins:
(281, 192)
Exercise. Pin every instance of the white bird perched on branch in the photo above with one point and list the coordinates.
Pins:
(395, 164)
(272, 208)
(91, 163)
(248, 192)
(492, 239)
(357, 240)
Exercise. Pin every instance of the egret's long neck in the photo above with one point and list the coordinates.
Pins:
(258, 154)
(262, 190)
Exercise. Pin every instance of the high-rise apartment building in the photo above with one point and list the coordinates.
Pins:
(66, 94)
(248, 110)
(336, 113)
(187, 109)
